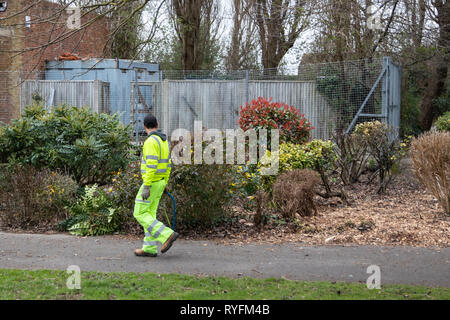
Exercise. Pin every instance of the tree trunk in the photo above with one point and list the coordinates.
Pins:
(273, 17)
(436, 84)
(188, 15)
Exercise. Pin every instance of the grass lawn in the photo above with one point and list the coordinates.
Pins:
(46, 284)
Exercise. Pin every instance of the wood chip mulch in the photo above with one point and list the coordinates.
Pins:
(406, 215)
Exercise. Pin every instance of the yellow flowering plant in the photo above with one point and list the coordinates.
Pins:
(247, 179)
(316, 155)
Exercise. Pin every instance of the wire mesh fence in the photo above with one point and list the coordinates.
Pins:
(332, 96)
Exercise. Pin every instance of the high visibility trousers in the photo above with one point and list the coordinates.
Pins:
(145, 214)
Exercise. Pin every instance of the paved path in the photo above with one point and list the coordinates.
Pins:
(405, 265)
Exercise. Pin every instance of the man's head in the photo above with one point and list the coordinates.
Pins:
(150, 123)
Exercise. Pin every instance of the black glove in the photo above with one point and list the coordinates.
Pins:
(146, 192)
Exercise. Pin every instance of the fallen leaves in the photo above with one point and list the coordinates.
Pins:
(406, 215)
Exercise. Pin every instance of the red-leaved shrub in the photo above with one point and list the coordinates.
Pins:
(265, 114)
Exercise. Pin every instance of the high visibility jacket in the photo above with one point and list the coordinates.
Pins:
(155, 162)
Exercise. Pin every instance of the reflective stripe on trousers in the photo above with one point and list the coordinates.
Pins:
(145, 213)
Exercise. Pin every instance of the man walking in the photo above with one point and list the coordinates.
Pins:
(155, 169)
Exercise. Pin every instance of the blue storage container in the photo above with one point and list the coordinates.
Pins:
(119, 73)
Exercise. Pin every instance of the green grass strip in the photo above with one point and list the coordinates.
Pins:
(49, 284)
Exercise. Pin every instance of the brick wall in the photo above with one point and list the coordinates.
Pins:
(11, 38)
(47, 26)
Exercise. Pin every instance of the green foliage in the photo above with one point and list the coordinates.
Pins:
(443, 122)
(92, 215)
(87, 145)
(442, 104)
(248, 179)
(410, 110)
(201, 192)
(122, 191)
(34, 198)
(317, 155)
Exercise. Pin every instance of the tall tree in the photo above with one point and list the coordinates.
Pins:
(344, 32)
(280, 23)
(187, 23)
(196, 24)
(209, 49)
(440, 11)
(128, 29)
(242, 51)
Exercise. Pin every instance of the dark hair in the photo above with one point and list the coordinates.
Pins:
(150, 121)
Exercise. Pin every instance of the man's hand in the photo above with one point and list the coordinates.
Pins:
(146, 192)
(166, 189)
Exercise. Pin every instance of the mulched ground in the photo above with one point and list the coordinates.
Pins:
(406, 215)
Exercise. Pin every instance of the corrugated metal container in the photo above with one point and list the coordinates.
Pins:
(118, 73)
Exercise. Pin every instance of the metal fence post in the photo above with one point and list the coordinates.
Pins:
(165, 106)
(385, 90)
(246, 85)
(136, 131)
(20, 93)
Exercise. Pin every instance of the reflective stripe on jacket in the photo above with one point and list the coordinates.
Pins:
(155, 161)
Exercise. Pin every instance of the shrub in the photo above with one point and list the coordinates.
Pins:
(87, 145)
(34, 198)
(201, 192)
(352, 156)
(430, 154)
(248, 179)
(92, 215)
(410, 107)
(294, 192)
(316, 155)
(443, 122)
(265, 114)
(441, 104)
(260, 217)
(385, 148)
(122, 191)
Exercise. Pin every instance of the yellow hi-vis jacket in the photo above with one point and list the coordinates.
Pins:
(155, 161)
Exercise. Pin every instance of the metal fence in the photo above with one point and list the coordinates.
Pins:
(332, 96)
(178, 103)
(92, 93)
